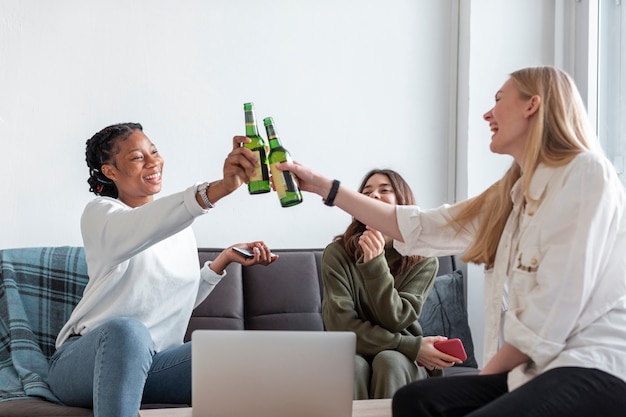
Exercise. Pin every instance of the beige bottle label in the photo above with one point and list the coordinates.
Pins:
(258, 173)
(279, 180)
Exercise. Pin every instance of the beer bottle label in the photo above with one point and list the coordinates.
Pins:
(258, 171)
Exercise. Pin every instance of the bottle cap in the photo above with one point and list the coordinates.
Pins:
(248, 106)
(268, 121)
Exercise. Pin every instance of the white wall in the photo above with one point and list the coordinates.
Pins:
(352, 85)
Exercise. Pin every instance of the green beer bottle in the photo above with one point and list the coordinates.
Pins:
(260, 181)
(284, 181)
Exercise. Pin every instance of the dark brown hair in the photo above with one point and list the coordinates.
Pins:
(404, 197)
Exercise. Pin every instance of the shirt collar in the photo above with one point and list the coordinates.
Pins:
(538, 185)
(539, 182)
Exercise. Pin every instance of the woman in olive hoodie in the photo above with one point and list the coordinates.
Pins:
(373, 291)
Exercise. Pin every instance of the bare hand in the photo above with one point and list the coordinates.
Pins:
(239, 164)
(262, 255)
(372, 243)
(308, 180)
(432, 358)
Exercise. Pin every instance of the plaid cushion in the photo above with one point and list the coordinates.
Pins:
(39, 288)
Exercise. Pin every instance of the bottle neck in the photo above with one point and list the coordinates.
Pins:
(275, 143)
(272, 137)
(251, 127)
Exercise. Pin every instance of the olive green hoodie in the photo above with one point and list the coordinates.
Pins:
(367, 299)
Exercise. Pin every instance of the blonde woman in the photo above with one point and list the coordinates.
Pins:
(551, 234)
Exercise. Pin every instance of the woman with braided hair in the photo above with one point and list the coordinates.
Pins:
(123, 343)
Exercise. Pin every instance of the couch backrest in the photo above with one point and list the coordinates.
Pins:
(284, 295)
(287, 294)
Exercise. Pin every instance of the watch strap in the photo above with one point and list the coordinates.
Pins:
(202, 190)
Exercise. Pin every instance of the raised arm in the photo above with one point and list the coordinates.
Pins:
(379, 215)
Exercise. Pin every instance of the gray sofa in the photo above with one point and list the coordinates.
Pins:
(40, 286)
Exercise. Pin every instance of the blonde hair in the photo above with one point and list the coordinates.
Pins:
(559, 130)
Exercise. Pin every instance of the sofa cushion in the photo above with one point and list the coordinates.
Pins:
(444, 313)
(447, 265)
(284, 295)
(224, 307)
(39, 408)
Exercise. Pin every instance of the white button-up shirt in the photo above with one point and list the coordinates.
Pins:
(562, 256)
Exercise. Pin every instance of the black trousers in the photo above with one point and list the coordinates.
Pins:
(567, 392)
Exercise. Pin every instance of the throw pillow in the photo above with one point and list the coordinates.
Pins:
(444, 313)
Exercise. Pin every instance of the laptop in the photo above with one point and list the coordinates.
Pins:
(263, 373)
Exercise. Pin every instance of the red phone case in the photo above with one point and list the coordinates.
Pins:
(453, 347)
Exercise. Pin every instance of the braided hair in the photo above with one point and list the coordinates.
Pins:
(100, 150)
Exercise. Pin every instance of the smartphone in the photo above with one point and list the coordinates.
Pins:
(244, 252)
(453, 347)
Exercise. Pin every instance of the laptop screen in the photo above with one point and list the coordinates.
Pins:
(266, 373)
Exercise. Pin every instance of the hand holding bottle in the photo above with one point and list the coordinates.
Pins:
(308, 180)
(285, 183)
(380, 215)
(238, 165)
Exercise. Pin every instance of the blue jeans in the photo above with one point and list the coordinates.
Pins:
(560, 392)
(113, 369)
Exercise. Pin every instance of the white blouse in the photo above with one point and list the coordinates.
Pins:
(562, 256)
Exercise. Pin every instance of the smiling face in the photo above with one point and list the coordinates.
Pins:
(509, 121)
(135, 169)
(378, 186)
